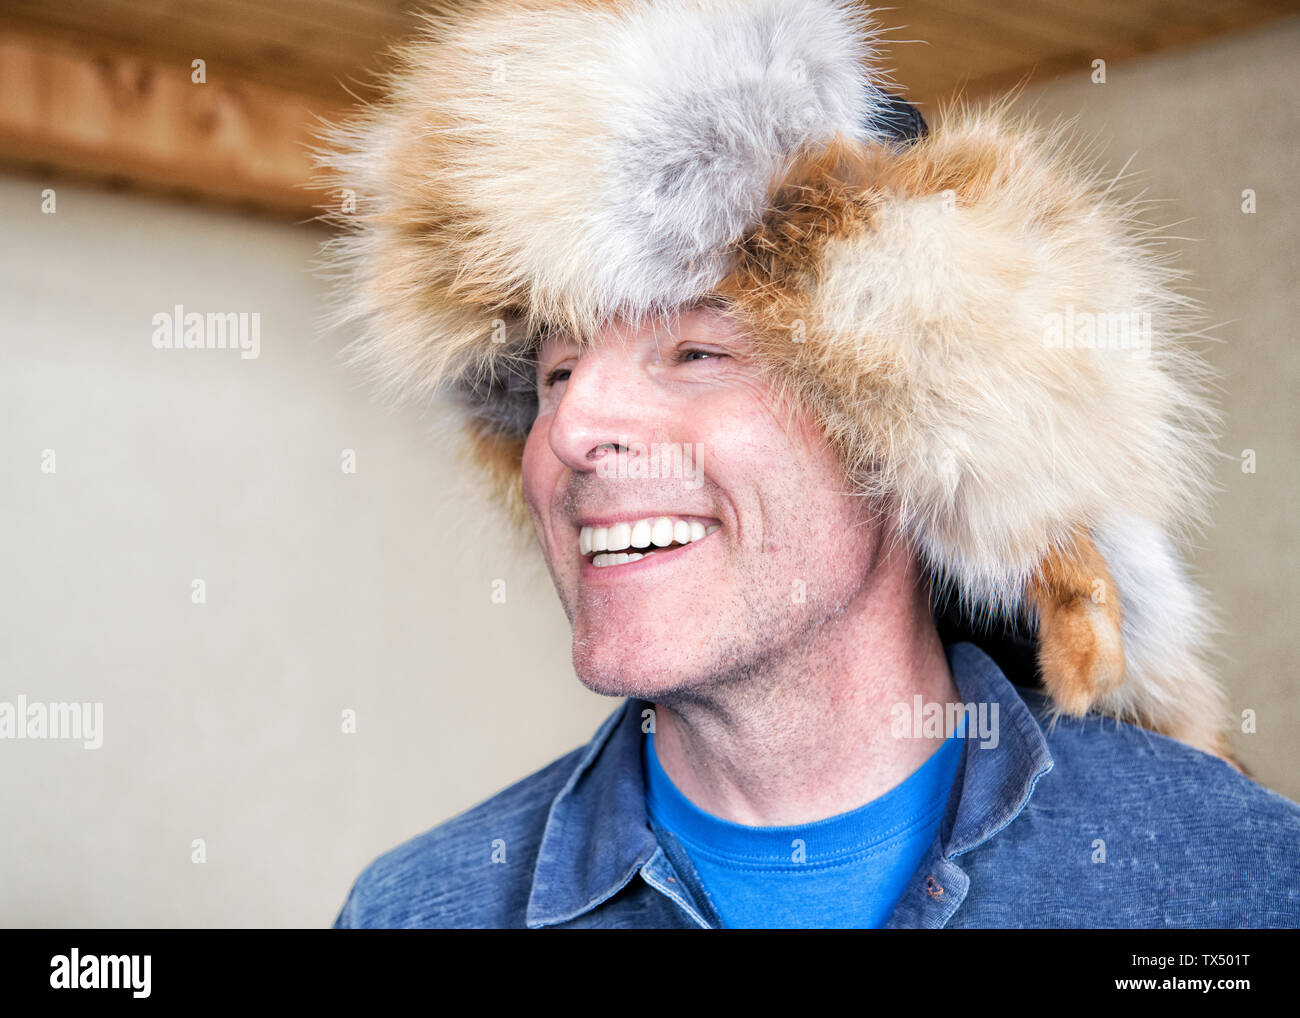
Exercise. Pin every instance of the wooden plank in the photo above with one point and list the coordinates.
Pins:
(1036, 30)
(1149, 17)
(183, 30)
(929, 36)
(308, 21)
(104, 115)
(327, 68)
(1169, 37)
(1181, 26)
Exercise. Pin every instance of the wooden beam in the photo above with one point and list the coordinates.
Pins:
(1114, 30)
(110, 116)
(255, 43)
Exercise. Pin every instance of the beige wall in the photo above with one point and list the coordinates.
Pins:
(371, 591)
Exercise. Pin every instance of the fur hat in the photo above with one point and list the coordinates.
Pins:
(988, 333)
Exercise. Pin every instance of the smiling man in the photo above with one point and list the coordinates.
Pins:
(744, 256)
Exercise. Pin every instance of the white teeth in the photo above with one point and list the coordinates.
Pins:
(653, 532)
(661, 534)
(602, 560)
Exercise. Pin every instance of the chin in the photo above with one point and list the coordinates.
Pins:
(609, 670)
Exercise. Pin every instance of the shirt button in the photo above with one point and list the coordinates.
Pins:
(932, 887)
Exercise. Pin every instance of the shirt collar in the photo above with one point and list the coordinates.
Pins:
(996, 780)
(597, 833)
(598, 836)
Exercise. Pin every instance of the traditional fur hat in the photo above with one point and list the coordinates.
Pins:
(987, 331)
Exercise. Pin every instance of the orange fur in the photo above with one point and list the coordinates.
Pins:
(1080, 646)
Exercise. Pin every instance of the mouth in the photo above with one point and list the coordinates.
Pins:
(622, 543)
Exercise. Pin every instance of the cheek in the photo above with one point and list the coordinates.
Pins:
(804, 487)
(762, 433)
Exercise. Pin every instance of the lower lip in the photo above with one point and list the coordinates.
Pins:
(591, 573)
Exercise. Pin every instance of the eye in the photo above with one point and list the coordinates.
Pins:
(553, 376)
(684, 354)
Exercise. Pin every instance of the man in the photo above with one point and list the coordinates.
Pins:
(777, 713)
(729, 262)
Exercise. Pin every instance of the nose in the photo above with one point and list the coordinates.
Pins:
(607, 405)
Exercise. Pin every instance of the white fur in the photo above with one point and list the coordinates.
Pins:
(576, 163)
(1168, 627)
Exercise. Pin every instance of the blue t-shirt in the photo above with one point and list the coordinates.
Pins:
(845, 872)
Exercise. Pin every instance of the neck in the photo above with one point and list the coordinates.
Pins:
(809, 737)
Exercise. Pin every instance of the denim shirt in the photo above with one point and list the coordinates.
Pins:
(1077, 823)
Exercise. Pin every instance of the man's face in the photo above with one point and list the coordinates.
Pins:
(673, 420)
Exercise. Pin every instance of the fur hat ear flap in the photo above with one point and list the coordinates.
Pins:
(994, 344)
